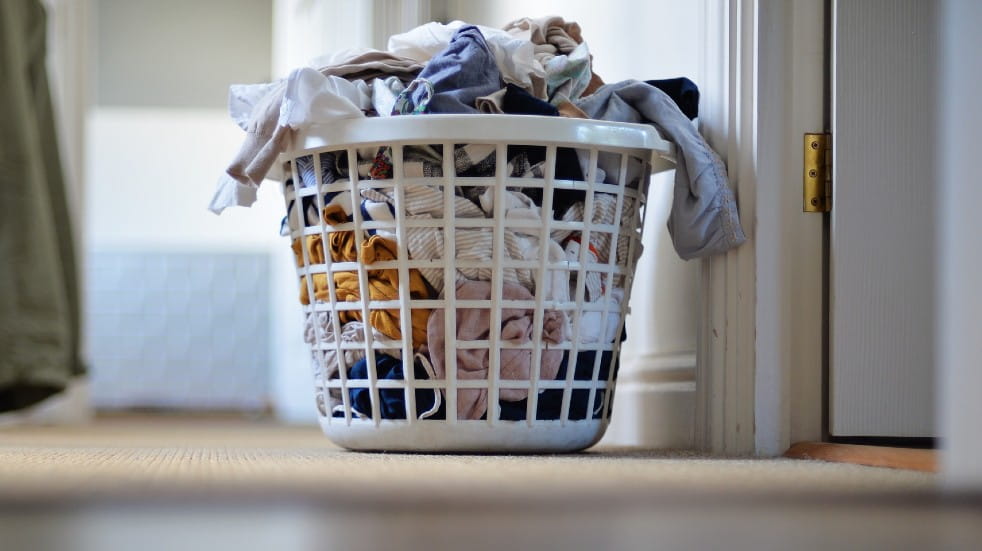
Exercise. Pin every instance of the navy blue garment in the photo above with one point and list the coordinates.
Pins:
(550, 404)
(683, 92)
(567, 168)
(308, 178)
(461, 73)
(517, 101)
(392, 403)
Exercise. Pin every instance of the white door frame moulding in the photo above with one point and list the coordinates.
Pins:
(959, 300)
(759, 372)
(790, 101)
(725, 366)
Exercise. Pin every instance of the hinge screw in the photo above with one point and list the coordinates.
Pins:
(812, 173)
(814, 145)
(814, 201)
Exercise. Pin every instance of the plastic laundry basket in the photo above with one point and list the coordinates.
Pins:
(483, 329)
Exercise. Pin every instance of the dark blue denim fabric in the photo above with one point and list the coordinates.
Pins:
(517, 101)
(550, 404)
(463, 72)
(392, 404)
(683, 92)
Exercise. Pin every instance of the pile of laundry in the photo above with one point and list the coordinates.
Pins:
(530, 67)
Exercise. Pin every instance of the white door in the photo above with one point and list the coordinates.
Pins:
(882, 233)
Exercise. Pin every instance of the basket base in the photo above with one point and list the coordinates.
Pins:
(465, 436)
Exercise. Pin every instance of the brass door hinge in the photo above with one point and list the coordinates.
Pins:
(817, 180)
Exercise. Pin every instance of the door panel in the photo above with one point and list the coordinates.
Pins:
(882, 268)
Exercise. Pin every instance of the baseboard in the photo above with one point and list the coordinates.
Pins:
(654, 405)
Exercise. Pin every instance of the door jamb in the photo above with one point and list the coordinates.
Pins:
(760, 346)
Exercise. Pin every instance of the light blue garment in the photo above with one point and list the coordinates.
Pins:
(568, 76)
(704, 220)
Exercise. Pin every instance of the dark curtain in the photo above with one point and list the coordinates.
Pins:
(39, 299)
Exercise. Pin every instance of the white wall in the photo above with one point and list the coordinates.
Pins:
(303, 30)
(150, 174)
(639, 40)
(151, 167)
(178, 53)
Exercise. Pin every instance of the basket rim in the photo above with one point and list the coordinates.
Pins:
(480, 128)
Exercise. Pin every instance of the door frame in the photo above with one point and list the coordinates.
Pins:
(762, 346)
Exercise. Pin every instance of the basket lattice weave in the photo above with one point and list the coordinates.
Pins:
(549, 274)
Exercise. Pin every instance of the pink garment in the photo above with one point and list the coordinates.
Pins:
(516, 327)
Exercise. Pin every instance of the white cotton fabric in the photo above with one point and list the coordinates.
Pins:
(312, 97)
(384, 94)
(242, 98)
(309, 97)
(591, 321)
(518, 206)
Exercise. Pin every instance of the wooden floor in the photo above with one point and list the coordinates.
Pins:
(871, 456)
(172, 483)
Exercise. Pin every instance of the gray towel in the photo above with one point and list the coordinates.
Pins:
(704, 219)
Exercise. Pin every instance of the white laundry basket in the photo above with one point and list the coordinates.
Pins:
(397, 205)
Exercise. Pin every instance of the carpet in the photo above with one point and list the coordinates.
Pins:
(120, 456)
(174, 483)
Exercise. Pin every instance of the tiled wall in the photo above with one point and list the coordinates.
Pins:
(178, 330)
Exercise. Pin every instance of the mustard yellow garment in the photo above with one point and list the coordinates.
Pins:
(383, 284)
(315, 250)
(340, 243)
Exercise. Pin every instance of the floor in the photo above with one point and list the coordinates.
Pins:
(152, 482)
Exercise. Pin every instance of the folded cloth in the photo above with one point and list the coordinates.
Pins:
(704, 218)
(269, 130)
(453, 78)
(516, 327)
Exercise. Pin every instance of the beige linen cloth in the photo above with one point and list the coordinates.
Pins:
(552, 36)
